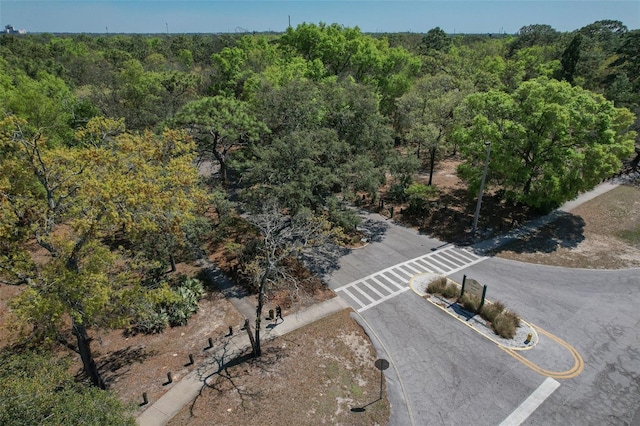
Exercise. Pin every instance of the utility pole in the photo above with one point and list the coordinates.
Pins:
(484, 177)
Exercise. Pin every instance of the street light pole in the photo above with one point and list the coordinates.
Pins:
(484, 177)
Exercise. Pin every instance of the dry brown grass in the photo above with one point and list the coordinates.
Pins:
(314, 375)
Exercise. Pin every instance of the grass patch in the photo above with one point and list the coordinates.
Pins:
(505, 324)
(631, 236)
(470, 302)
(437, 286)
(451, 291)
(491, 310)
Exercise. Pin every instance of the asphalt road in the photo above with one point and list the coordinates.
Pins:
(443, 372)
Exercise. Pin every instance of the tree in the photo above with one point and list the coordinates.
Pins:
(283, 237)
(425, 114)
(534, 35)
(436, 39)
(326, 138)
(71, 201)
(570, 58)
(549, 140)
(220, 124)
(36, 388)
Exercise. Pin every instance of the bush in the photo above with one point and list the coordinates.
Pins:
(437, 286)
(418, 194)
(341, 216)
(169, 307)
(504, 325)
(451, 291)
(512, 317)
(189, 293)
(470, 302)
(152, 322)
(491, 310)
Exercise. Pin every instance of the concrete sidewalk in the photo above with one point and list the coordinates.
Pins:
(184, 391)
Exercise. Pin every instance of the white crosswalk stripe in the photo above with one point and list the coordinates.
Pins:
(383, 285)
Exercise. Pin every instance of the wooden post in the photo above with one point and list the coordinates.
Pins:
(169, 379)
(191, 361)
(210, 344)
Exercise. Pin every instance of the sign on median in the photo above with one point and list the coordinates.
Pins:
(474, 288)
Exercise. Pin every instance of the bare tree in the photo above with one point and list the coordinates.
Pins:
(283, 237)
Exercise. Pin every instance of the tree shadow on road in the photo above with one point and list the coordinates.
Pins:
(566, 231)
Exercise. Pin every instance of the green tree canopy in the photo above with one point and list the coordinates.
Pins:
(37, 389)
(71, 201)
(549, 140)
(220, 124)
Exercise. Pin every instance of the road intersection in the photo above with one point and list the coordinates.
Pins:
(445, 373)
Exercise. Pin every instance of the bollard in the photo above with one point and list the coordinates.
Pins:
(191, 361)
(145, 400)
(169, 379)
(528, 338)
(210, 344)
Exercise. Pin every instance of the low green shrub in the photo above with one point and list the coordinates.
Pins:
(491, 310)
(169, 306)
(152, 322)
(504, 326)
(189, 293)
(470, 302)
(437, 286)
(451, 291)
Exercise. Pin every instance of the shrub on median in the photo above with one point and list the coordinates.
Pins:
(451, 291)
(505, 324)
(437, 286)
(491, 310)
(470, 302)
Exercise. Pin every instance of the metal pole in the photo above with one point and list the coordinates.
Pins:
(484, 177)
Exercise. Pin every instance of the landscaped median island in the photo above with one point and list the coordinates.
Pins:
(503, 326)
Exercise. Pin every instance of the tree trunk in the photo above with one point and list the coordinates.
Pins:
(84, 348)
(527, 186)
(257, 350)
(221, 158)
(432, 161)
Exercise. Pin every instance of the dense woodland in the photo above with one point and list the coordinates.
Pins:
(100, 136)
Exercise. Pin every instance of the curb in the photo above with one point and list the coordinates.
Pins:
(479, 326)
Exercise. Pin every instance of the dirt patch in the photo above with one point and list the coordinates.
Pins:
(592, 236)
(299, 380)
(135, 364)
(449, 217)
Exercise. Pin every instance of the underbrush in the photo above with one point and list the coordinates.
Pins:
(169, 306)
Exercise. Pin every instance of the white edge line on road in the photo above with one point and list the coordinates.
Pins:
(530, 404)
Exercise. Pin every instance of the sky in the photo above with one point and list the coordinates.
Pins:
(219, 16)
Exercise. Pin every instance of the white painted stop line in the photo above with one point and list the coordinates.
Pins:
(530, 404)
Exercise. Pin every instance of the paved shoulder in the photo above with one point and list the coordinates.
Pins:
(383, 285)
